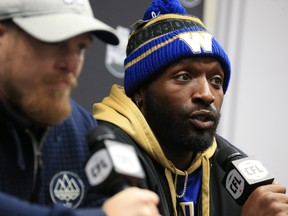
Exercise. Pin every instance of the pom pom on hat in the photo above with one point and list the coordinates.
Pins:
(166, 34)
(164, 7)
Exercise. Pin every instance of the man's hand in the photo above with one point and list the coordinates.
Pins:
(132, 202)
(267, 200)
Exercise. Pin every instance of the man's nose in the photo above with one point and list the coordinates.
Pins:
(70, 59)
(203, 93)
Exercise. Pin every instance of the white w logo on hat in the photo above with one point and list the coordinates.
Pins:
(196, 40)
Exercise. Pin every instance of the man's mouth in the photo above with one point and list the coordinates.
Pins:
(63, 83)
(203, 119)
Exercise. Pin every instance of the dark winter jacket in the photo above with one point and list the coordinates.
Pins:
(42, 169)
(120, 113)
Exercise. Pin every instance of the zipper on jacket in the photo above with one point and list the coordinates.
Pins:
(38, 162)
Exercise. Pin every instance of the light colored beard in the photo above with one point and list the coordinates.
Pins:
(51, 108)
(47, 112)
(42, 106)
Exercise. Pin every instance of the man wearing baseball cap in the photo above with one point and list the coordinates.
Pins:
(42, 141)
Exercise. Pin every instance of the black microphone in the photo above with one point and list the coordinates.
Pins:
(113, 166)
(242, 174)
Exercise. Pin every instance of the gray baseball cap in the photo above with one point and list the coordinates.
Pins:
(56, 20)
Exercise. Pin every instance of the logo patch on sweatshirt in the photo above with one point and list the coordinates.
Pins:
(67, 188)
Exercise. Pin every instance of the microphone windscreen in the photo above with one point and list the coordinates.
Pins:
(98, 134)
(226, 155)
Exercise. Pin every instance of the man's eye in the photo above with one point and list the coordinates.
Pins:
(183, 77)
(217, 81)
(83, 46)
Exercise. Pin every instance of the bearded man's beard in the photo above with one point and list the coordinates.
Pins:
(47, 111)
(174, 130)
(43, 106)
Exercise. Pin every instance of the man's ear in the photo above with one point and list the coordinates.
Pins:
(138, 97)
(2, 29)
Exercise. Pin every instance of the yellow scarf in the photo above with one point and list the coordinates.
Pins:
(120, 110)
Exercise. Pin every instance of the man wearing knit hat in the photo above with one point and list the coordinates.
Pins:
(43, 146)
(176, 75)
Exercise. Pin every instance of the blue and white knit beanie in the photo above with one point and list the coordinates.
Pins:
(166, 34)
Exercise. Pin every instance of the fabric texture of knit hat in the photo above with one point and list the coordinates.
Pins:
(164, 35)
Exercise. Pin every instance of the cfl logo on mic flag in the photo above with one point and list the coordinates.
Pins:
(252, 169)
(235, 184)
(116, 156)
(247, 175)
(98, 167)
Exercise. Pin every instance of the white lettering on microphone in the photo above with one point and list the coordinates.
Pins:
(252, 169)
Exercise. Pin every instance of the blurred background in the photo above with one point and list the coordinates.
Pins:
(254, 34)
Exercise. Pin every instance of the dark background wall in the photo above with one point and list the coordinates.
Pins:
(96, 78)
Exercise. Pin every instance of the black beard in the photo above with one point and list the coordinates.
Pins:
(173, 129)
